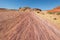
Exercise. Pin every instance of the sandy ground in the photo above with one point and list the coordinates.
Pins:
(50, 18)
(26, 26)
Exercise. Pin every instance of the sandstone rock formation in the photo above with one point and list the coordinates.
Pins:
(57, 9)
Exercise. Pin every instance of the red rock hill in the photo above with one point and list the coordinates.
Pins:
(57, 9)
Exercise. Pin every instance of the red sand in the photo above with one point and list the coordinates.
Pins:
(26, 26)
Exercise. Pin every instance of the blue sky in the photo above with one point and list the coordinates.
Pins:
(42, 4)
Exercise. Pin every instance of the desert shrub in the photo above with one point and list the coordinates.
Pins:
(55, 18)
(37, 9)
(38, 12)
(58, 13)
(50, 12)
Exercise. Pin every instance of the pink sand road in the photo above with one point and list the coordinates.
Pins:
(27, 26)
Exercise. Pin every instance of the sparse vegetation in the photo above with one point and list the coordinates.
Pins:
(58, 13)
(50, 12)
(38, 12)
(37, 9)
(55, 18)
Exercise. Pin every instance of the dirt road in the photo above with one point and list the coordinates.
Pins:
(27, 26)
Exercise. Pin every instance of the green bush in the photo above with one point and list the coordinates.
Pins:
(58, 13)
